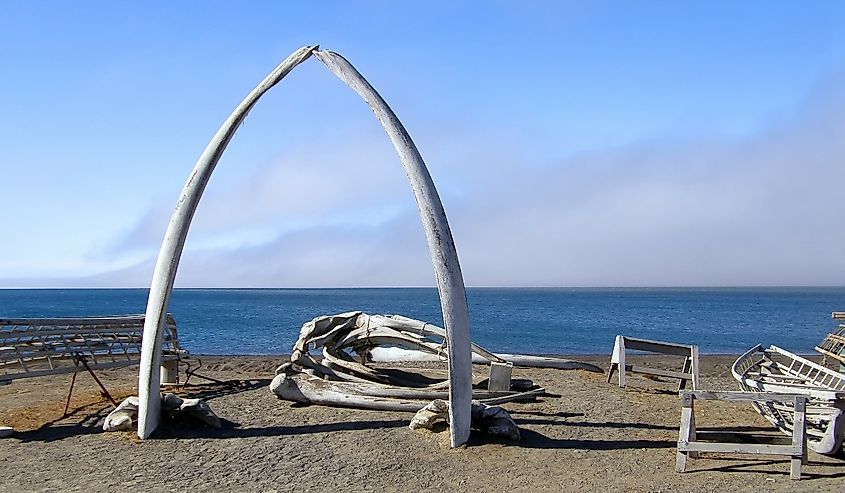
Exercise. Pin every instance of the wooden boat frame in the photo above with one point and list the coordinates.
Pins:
(775, 370)
(833, 345)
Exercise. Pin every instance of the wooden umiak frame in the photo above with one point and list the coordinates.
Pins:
(444, 257)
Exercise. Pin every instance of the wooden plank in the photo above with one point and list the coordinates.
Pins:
(838, 315)
(71, 331)
(614, 358)
(687, 368)
(657, 347)
(799, 437)
(128, 319)
(696, 378)
(613, 367)
(68, 369)
(621, 357)
(111, 319)
(836, 338)
(835, 356)
(740, 396)
(500, 376)
(686, 432)
(658, 372)
(738, 448)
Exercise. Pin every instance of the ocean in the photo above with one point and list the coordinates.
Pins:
(512, 320)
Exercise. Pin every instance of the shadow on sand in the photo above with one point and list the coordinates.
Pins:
(778, 467)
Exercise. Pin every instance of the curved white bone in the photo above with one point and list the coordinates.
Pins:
(441, 246)
(149, 399)
(444, 256)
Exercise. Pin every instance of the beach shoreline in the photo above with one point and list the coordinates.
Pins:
(595, 437)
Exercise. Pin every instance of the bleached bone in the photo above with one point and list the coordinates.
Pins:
(444, 256)
(195, 408)
(123, 417)
(529, 361)
(311, 390)
(492, 420)
(174, 241)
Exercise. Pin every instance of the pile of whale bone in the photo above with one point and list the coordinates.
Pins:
(329, 365)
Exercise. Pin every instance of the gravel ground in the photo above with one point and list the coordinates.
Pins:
(595, 437)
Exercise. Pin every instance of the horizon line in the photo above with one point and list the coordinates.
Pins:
(736, 286)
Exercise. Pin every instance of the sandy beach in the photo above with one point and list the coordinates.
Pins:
(595, 437)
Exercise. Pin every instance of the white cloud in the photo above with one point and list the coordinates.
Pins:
(760, 210)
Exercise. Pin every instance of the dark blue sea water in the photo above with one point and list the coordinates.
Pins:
(534, 321)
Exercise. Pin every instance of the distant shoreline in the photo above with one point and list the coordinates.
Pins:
(183, 288)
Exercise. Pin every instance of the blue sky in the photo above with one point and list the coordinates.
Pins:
(573, 143)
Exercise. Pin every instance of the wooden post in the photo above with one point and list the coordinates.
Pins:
(614, 359)
(695, 376)
(687, 431)
(682, 383)
(170, 372)
(500, 376)
(620, 341)
(799, 437)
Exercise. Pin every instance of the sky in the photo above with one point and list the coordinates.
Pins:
(572, 143)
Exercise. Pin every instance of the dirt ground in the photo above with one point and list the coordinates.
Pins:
(595, 437)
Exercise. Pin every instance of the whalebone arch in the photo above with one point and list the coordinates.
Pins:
(444, 257)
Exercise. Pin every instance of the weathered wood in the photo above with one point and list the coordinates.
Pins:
(685, 432)
(738, 396)
(444, 255)
(799, 437)
(34, 347)
(694, 366)
(530, 361)
(689, 446)
(838, 315)
(636, 344)
(657, 372)
(775, 370)
(500, 376)
(43, 321)
(72, 369)
(738, 448)
(689, 370)
(833, 346)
